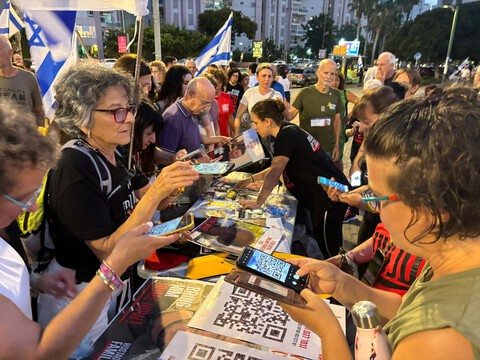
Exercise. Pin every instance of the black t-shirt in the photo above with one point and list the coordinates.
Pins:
(81, 211)
(236, 93)
(307, 161)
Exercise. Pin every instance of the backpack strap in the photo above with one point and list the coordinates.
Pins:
(104, 175)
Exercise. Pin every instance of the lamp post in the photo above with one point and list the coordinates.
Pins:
(324, 28)
(450, 42)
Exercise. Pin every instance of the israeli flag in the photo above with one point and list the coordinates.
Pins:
(52, 47)
(136, 7)
(10, 22)
(218, 50)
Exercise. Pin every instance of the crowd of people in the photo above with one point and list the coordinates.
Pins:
(416, 156)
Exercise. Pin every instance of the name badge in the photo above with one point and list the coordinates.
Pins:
(320, 122)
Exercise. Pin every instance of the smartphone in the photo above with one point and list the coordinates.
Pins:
(213, 168)
(272, 268)
(189, 155)
(336, 185)
(180, 224)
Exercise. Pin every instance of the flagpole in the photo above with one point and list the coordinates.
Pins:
(136, 90)
(83, 44)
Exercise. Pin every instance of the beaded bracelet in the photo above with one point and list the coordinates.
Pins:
(110, 275)
(105, 280)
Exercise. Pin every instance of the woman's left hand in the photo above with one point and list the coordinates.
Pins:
(315, 309)
(250, 204)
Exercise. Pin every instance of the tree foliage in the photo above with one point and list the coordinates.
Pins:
(315, 36)
(429, 34)
(210, 21)
(181, 43)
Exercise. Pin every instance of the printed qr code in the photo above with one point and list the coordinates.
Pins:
(251, 313)
(207, 352)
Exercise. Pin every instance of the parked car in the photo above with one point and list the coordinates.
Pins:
(278, 62)
(108, 62)
(303, 77)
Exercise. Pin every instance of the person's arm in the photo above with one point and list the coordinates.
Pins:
(238, 118)
(356, 162)
(271, 180)
(164, 157)
(351, 98)
(178, 175)
(326, 278)
(337, 128)
(439, 344)
(334, 343)
(251, 179)
(210, 140)
(290, 112)
(362, 254)
(353, 130)
(39, 115)
(231, 125)
(22, 338)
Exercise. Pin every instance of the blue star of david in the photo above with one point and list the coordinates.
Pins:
(35, 39)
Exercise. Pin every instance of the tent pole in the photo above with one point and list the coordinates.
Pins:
(136, 90)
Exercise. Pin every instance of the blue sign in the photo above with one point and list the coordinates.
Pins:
(417, 56)
(353, 47)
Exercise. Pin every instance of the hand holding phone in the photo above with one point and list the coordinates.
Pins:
(324, 181)
(190, 155)
(180, 224)
(272, 268)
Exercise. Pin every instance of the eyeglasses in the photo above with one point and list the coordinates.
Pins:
(206, 103)
(26, 205)
(120, 114)
(374, 202)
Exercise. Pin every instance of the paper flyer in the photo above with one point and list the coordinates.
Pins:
(227, 235)
(235, 312)
(186, 345)
(143, 329)
(242, 150)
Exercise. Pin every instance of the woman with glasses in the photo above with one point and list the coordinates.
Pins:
(25, 157)
(88, 217)
(423, 169)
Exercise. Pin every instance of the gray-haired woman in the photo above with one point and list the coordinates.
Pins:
(93, 106)
(25, 157)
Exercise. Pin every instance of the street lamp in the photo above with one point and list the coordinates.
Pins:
(455, 9)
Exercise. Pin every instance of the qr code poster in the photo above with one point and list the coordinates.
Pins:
(190, 346)
(245, 315)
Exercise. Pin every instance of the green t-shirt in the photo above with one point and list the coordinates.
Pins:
(448, 302)
(317, 113)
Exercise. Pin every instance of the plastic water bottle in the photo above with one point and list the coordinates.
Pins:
(371, 341)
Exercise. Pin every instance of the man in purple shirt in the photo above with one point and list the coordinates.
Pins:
(180, 129)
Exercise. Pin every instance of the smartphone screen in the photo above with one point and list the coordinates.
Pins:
(215, 168)
(272, 268)
(328, 182)
(172, 226)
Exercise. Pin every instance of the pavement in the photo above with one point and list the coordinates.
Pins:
(350, 230)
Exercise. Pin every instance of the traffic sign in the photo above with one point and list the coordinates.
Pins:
(257, 49)
(417, 56)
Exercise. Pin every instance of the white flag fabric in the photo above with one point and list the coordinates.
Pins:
(136, 7)
(10, 22)
(218, 50)
(359, 63)
(52, 47)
